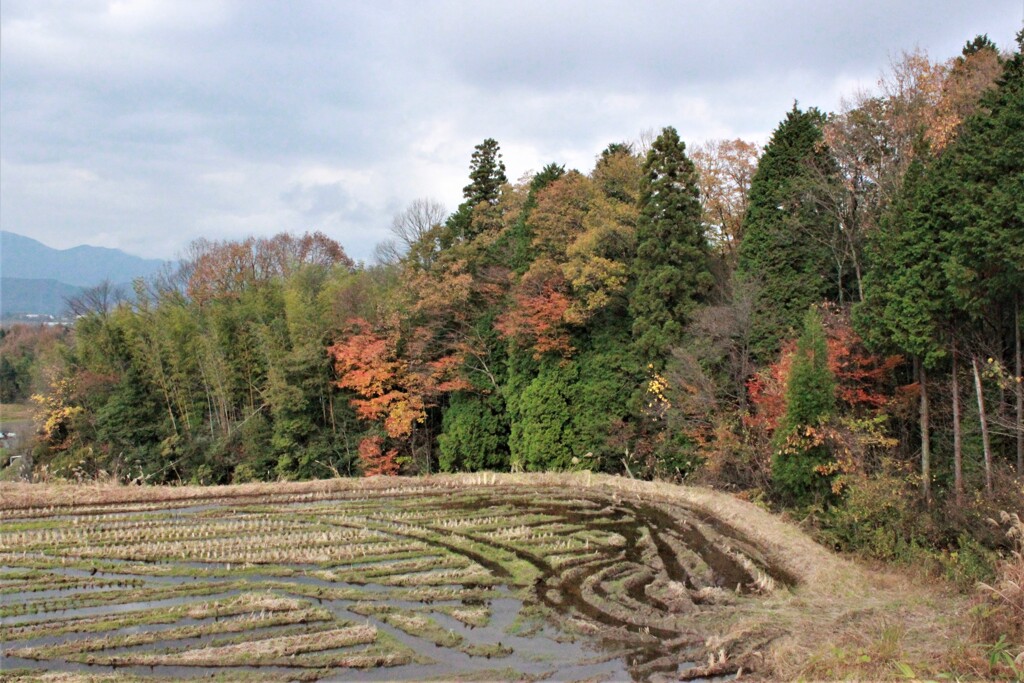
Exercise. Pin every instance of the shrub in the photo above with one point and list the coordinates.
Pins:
(878, 517)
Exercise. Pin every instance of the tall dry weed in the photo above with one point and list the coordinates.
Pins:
(1000, 614)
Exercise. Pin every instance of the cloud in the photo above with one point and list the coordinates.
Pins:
(143, 124)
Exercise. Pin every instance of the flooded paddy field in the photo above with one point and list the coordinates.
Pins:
(442, 578)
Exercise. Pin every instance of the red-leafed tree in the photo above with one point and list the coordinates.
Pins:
(225, 269)
(375, 460)
(767, 392)
(366, 362)
(863, 380)
(864, 391)
(393, 378)
(537, 316)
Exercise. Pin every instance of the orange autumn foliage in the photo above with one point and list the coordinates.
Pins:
(390, 386)
(767, 392)
(726, 169)
(537, 317)
(375, 460)
(863, 380)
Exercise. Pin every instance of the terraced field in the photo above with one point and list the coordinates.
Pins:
(469, 578)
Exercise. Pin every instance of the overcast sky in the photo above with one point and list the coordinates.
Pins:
(144, 124)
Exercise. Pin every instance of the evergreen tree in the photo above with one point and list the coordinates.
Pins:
(671, 267)
(977, 44)
(904, 305)
(541, 416)
(948, 252)
(14, 379)
(979, 199)
(786, 233)
(906, 301)
(520, 236)
(486, 177)
(810, 403)
(601, 397)
(475, 434)
(486, 174)
(978, 203)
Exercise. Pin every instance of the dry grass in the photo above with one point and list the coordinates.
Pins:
(35, 676)
(269, 651)
(1007, 592)
(890, 621)
(999, 612)
(263, 651)
(67, 677)
(240, 624)
(16, 412)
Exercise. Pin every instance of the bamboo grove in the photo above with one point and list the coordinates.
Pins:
(827, 320)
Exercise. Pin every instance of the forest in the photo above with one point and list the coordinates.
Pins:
(830, 324)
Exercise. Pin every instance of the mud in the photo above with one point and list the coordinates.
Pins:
(592, 586)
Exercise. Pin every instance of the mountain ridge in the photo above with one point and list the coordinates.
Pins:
(35, 296)
(82, 266)
(38, 279)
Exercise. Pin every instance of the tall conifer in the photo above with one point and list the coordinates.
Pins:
(486, 177)
(671, 265)
(786, 233)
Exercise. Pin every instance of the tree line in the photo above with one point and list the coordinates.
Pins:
(829, 317)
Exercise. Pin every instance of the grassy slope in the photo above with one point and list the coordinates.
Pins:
(16, 412)
(843, 619)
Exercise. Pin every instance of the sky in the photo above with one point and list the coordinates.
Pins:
(145, 124)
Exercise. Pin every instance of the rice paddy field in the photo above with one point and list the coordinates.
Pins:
(480, 577)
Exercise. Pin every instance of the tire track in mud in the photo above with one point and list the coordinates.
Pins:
(571, 592)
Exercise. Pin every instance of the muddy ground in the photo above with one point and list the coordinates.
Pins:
(485, 577)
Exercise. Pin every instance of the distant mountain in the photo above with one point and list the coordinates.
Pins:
(84, 266)
(36, 279)
(21, 296)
